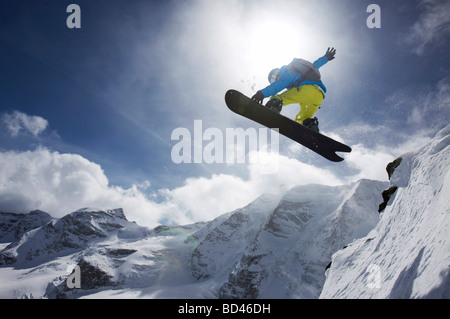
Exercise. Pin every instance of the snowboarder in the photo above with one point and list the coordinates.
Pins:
(303, 82)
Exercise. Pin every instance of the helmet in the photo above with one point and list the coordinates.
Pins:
(273, 75)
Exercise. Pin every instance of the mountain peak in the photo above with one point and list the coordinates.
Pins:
(13, 226)
(64, 236)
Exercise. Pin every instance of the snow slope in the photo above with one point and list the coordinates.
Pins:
(407, 255)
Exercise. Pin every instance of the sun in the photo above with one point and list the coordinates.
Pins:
(272, 45)
(267, 38)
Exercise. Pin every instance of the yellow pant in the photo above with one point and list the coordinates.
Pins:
(309, 97)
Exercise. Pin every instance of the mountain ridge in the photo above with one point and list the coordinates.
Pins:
(414, 228)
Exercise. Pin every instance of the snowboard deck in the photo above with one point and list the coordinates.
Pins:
(319, 143)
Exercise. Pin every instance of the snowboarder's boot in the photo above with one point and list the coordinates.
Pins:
(312, 124)
(275, 105)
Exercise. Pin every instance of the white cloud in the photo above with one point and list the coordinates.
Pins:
(433, 27)
(369, 163)
(202, 199)
(429, 105)
(62, 183)
(289, 172)
(18, 122)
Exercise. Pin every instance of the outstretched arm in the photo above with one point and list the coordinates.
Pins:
(329, 55)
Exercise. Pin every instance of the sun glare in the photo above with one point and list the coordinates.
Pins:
(266, 38)
(273, 45)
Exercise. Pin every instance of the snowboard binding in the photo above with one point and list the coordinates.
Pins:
(312, 124)
(275, 105)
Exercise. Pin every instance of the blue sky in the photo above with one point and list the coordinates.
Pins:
(97, 105)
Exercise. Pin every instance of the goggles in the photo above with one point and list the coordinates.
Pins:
(273, 75)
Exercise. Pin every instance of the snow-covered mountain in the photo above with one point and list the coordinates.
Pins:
(281, 247)
(13, 226)
(313, 241)
(407, 255)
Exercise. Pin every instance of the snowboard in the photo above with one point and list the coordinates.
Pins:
(319, 143)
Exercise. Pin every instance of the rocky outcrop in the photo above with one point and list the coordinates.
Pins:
(227, 238)
(71, 233)
(13, 226)
(90, 277)
(387, 193)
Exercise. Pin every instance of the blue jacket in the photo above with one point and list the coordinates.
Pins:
(289, 78)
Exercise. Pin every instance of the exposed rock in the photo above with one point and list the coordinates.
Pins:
(13, 226)
(71, 233)
(90, 277)
(390, 169)
(386, 196)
